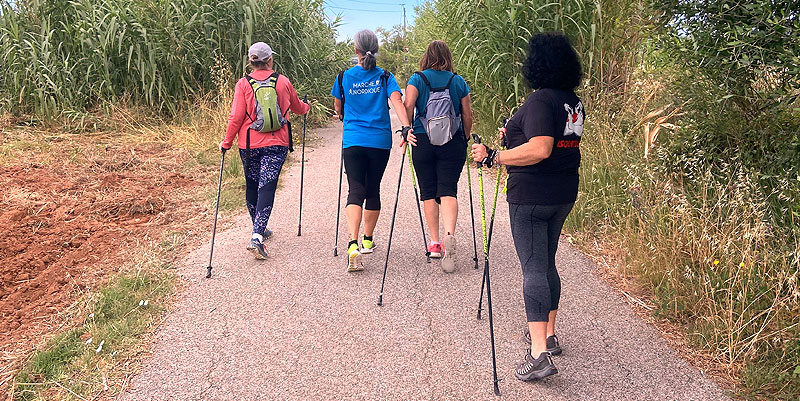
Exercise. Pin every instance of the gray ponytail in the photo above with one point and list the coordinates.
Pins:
(367, 44)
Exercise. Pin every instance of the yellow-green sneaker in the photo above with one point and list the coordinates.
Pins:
(367, 245)
(354, 263)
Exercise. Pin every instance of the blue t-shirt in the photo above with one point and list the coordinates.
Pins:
(366, 110)
(458, 90)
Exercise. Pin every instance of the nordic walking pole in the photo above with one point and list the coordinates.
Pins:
(491, 222)
(477, 139)
(302, 170)
(472, 215)
(391, 228)
(416, 195)
(338, 200)
(216, 212)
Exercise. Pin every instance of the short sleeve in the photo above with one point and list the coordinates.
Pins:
(335, 92)
(392, 85)
(462, 87)
(415, 81)
(538, 120)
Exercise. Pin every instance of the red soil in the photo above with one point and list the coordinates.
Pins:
(64, 226)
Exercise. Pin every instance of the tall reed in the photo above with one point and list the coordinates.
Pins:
(63, 56)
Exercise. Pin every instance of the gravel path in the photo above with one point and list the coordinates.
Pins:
(297, 326)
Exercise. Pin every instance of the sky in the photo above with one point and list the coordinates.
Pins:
(369, 14)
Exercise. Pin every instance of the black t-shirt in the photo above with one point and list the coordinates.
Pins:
(553, 181)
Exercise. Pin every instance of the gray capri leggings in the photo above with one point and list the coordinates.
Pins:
(536, 229)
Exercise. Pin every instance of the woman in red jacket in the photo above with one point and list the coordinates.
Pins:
(265, 153)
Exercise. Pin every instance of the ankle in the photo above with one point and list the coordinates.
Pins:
(368, 237)
(537, 353)
(352, 242)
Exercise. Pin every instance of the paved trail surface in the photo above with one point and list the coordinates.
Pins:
(297, 326)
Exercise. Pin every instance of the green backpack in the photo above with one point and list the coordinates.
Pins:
(268, 116)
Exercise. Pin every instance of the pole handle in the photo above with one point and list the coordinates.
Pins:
(477, 139)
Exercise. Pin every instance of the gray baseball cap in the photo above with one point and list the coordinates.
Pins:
(260, 51)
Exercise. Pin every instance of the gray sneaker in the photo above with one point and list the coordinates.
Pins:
(535, 369)
(449, 261)
(256, 247)
(552, 342)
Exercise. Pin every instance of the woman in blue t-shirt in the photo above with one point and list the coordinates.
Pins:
(542, 159)
(360, 100)
(438, 167)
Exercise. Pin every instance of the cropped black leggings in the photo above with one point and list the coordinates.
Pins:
(364, 168)
(536, 229)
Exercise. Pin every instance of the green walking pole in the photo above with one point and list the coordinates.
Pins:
(486, 280)
(419, 210)
(491, 223)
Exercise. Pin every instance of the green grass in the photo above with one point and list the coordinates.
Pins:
(120, 316)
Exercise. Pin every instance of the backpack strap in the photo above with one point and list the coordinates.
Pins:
(385, 83)
(341, 92)
(424, 79)
(385, 78)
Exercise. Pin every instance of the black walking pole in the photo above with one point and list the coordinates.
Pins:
(472, 215)
(216, 212)
(416, 195)
(391, 228)
(477, 139)
(338, 201)
(302, 170)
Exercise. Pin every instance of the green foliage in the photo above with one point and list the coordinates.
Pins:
(392, 53)
(63, 57)
(709, 222)
(750, 50)
(489, 41)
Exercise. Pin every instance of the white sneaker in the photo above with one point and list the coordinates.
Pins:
(449, 261)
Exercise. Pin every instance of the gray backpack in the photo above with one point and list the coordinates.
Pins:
(439, 117)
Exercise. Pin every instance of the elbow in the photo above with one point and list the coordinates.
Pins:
(543, 154)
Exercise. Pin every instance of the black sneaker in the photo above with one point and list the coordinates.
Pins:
(257, 249)
(535, 369)
(552, 342)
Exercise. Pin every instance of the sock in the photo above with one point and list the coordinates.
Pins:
(349, 244)
(259, 237)
(368, 237)
(436, 243)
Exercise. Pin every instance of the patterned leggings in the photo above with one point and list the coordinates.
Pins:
(261, 170)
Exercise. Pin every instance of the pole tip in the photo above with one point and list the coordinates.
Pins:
(208, 274)
(479, 314)
(335, 252)
(380, 300)
(496, 389)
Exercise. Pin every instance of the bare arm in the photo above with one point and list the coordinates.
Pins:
(534, 151)
(466, 115)
(337, 107)
(411, 99)
(399, 108)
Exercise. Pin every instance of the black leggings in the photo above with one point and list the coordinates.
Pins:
(364, 168)
(438, 168)
(536, 229)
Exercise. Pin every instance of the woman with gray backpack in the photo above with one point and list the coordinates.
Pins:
(442, 127)
(261, 103)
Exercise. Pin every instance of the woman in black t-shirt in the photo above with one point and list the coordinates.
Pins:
(542, 159)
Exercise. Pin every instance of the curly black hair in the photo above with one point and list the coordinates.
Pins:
(552, 62)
